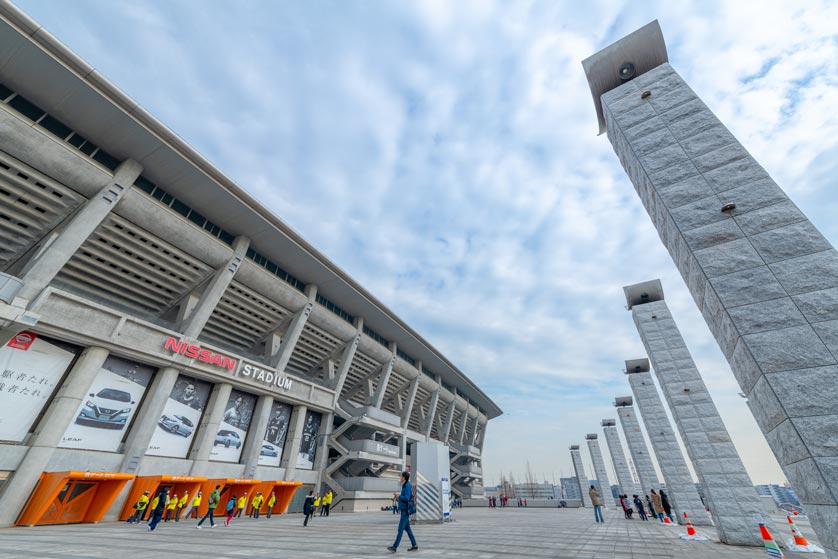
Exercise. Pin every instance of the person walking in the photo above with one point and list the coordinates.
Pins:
(596, 502)
(171, 508)
(153, 505)
(240, 505)
(139, 508)
(231, 509)
(256, 504)
(667, 508)
(308, 507)
(316, 505)
(181, 504)
(658, 506)
(407, 507)
(212, 504)
(641, 510)
(158, 510)
(395, 503)
(271, 503)
(196, 503)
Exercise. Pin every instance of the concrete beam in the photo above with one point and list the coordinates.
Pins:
(289, 341)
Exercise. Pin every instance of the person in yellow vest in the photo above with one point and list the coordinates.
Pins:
(171, 507)
(180, 505)
(241, 504)
(271, 503)
(256, 504)
(153, 506)
(317, 502)
(325, 502)
(196, 504)
(140, 506)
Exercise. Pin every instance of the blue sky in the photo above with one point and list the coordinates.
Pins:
(445, 155)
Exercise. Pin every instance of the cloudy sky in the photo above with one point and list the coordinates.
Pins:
(445, 154)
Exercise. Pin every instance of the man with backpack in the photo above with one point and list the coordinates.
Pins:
(212, 504)
(407, 506)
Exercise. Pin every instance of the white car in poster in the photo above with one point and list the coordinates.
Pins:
(227, 439)
(176, 425)
(107, 409)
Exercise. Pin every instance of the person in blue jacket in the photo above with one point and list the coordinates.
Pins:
(406, 503)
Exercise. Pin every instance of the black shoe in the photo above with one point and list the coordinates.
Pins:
(413, 548)
(391, 549)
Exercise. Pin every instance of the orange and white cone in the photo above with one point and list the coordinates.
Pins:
(666, 520)
(798, 542)
(770, 545)
(691, 533)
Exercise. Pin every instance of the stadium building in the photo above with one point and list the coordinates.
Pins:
(160, 326)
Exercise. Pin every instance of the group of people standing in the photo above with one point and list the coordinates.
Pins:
(494, 500)
(655, 505)
(314, 502)
(166, 507)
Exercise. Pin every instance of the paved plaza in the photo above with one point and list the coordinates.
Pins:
(476, 533)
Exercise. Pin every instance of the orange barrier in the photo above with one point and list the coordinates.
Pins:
(284, 493)
(67, 497)
(177, 485)
(229, 486)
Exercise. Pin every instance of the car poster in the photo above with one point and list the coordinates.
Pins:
(30, 369)
(308, 446)
(275, 434)
(105, 413)
(181, 415)
(233, 429)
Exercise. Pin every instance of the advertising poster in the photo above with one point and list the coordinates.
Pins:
(105, 414)
(308, 446)
(275, 434)
(229, 440)
(181, 415)
(30, 369)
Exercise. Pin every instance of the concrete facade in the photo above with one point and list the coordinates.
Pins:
(600, 471)
(763, 276)
(581, 476)
(676, 475)
(618, 458)
(640, 454)
(728, 490)
(122, 262)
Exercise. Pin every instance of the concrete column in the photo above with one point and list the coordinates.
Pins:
(728, 490)
(428, 423)
(386, 370)
(47, 435)
(581, 476)
(463, 426)
(762, 275)
(600, 471)
(637, 445)
(482, 439)
(48, 262)
(407, 409)
(289, 340)
(474, 427)
(346, 357)
(449, 420)
(321, 459)
(256, 434)
(145, 423)
(212, 293)
(293, 440)
(679, 482)
(208, 429)
(618, 458)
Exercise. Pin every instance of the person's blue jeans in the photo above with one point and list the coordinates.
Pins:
(155, 520)
(210, 514)
(598, 513)
(660, 516)
(404, 526)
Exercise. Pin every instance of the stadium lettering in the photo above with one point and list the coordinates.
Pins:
(197, 352)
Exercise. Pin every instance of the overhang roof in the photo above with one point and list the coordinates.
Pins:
(37, 65)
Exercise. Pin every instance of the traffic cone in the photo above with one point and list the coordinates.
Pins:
(666, 520)
(798, 542)
(770, 545)
(691, 533)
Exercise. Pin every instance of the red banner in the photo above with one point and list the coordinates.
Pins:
(22, 340)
